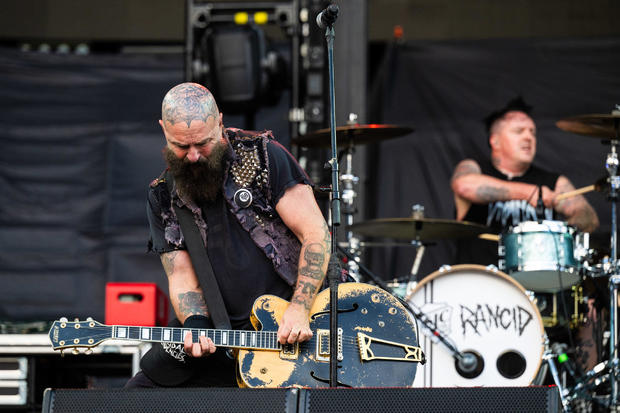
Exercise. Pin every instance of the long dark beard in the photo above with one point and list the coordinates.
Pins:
(199, 181)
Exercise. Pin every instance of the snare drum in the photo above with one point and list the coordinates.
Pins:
(485, 313)
(540, 255)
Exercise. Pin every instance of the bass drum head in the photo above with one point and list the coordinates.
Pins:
(485, 314)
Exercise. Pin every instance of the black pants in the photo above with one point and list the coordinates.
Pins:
(215, 370)
(160, 369)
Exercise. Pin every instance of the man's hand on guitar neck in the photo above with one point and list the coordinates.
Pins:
(204, 348)
(205, 345)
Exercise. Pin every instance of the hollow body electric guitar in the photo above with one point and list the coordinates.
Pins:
(377, 341)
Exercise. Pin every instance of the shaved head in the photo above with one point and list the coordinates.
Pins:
(187, 102)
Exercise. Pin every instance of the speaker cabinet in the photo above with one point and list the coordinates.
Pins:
(204, 400)
(454, 399)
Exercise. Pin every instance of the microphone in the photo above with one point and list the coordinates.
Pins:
(560, 351)
(540, 206)
(469, 365)
(327, 17)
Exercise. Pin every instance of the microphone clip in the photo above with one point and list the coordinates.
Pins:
(327, 17)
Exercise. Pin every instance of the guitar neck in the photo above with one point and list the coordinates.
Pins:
(261, 340)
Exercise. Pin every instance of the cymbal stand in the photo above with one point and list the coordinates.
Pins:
(349, 180)
(417, 212)
(611, 164)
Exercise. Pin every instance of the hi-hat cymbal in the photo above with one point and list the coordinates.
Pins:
(355, 134)
(594, 125)
(422, 229)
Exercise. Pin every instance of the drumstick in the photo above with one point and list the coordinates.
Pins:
(576, 192)
(489, 237)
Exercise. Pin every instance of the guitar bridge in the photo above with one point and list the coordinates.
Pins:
(409, 353)
(322, 345)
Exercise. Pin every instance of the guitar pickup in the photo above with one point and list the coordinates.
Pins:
(289, 351)
(322, 345)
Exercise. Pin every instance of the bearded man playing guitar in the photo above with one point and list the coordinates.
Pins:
(260, 225)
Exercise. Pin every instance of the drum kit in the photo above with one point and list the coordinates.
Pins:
(498, 325)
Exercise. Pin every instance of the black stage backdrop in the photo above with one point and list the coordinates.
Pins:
(80, 143)
(445, 89)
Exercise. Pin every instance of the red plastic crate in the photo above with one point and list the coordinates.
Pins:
(135, 304)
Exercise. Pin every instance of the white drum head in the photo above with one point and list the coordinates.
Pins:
(483, 313)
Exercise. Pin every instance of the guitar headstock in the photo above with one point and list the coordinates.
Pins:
(77, 334)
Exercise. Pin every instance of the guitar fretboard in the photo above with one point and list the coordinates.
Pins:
(265, 340)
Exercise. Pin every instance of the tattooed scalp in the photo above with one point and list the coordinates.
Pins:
(187, 102)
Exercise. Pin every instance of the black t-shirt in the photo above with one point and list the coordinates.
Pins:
(242, 269)
(499, 216)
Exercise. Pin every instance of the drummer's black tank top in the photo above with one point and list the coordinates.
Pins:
(501, 215)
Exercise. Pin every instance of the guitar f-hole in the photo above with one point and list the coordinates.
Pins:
(354, 307)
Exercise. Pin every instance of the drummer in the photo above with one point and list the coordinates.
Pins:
(505, 190)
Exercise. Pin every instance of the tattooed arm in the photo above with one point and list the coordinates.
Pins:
(471, 186)
(186, 296)
(577, 210)
(299, 211)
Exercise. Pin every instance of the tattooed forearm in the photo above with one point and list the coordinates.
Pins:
(327, 237)
(191, 303)
(314, 257)
(306, 287)
(303, 292)
(491, 193)
(167, 260)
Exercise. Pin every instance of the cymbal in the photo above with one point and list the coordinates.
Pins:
(355, 134)
(594, 125)
(422, 229)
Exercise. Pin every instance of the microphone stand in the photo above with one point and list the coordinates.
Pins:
(334, 271)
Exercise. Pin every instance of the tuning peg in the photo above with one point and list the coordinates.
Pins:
(75, 351)
(62, 353)
(77, 320)
(88, 351)
(89, 319)
(63, 319)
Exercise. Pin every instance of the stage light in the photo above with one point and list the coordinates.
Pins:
(241, 17)
(261, 17)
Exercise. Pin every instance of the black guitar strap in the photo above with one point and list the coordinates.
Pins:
(202, 264)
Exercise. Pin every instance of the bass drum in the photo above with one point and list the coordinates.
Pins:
(485, 314)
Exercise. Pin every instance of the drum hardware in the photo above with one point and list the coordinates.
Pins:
(606, 126)
(373, 244)
(349, 180)
(422, 229)
(352, 135)
(347, 137)
(547, 304)
(549, 357)
(594, 125)
(540, 255)
(489, 317)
